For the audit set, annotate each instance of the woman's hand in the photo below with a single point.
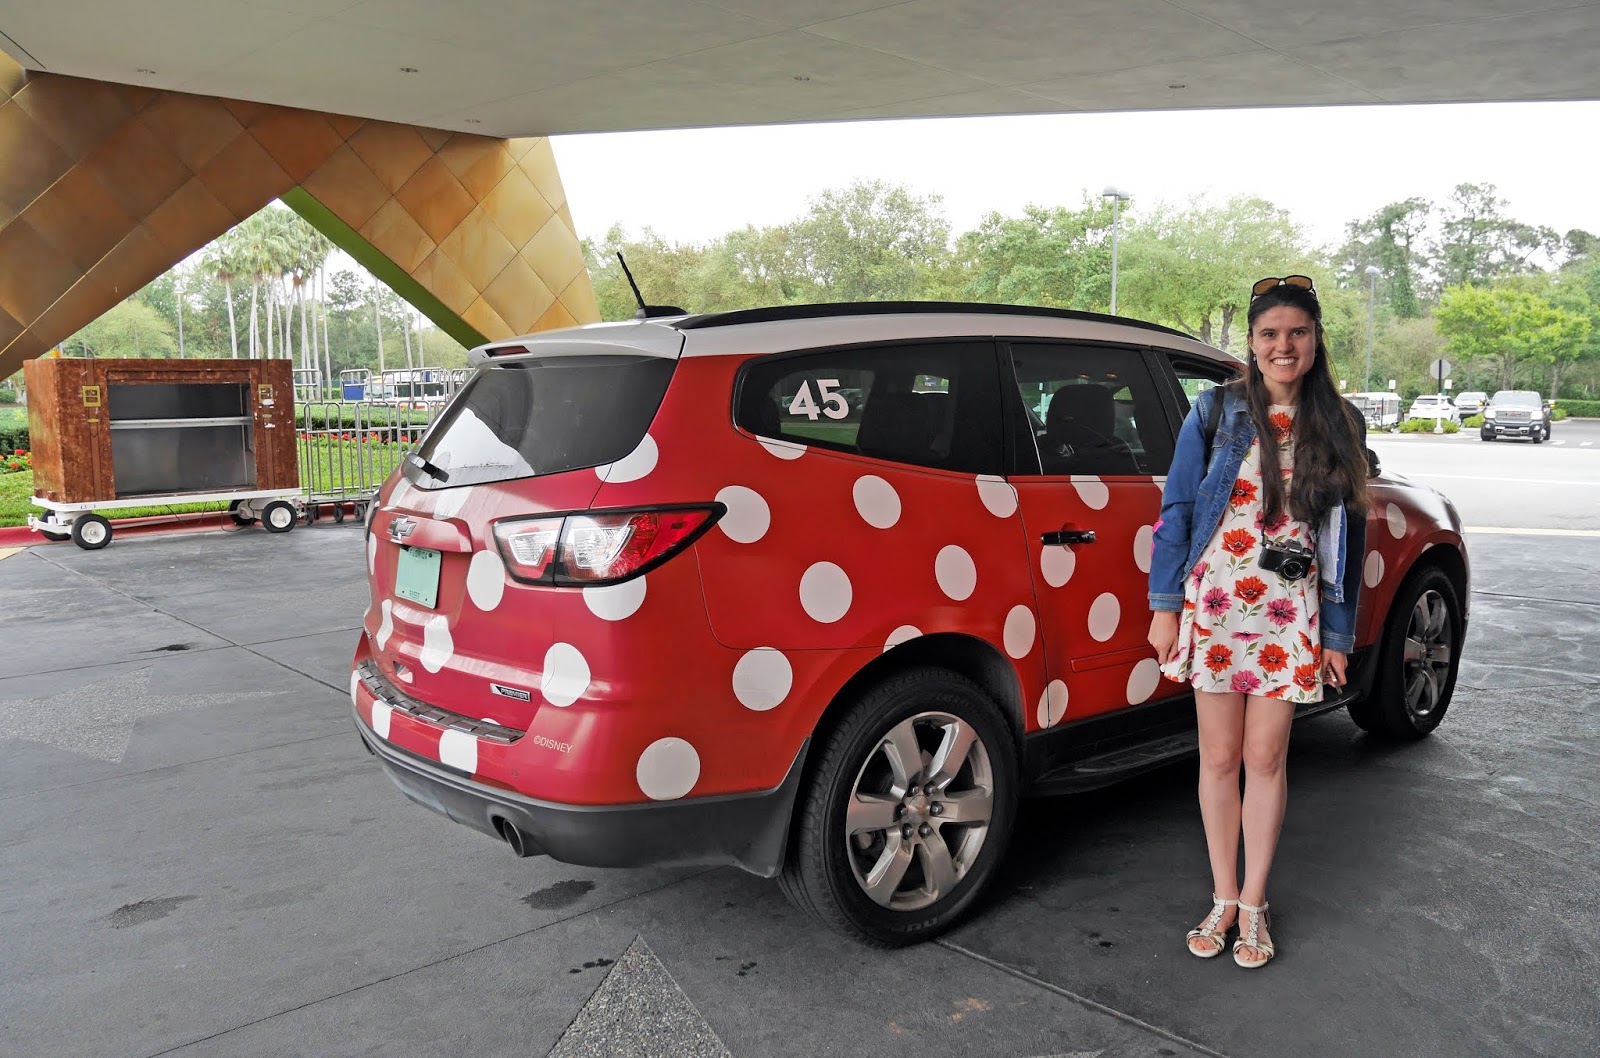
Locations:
(1164, 635)
(1333, 662)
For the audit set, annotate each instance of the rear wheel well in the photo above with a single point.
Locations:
(965, 655)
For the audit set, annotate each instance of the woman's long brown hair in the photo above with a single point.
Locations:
(1330, 463)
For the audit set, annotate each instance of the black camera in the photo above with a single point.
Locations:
(1288, 560)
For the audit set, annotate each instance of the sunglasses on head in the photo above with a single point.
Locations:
(1272, 282)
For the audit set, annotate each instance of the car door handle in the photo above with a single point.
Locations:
(1068, 536)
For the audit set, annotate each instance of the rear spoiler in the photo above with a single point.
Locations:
(635, 339)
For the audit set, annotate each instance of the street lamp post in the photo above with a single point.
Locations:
(1117, 198)
(1373, 271)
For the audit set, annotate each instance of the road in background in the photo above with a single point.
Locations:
(1506, 484)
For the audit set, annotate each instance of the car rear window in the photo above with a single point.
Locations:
(523, 418)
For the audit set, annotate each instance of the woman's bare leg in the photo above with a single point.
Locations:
(1221, 726)
(1266, 793)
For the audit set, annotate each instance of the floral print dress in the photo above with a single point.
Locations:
(1244, 628)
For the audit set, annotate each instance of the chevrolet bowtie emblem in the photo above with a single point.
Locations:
(400, 528)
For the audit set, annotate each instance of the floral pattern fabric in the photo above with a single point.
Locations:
(1244, 628)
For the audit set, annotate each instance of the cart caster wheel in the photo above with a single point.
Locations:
(240, 513)
(91, 532)
(57, 537)
(338, 513)
(313, 512)
(278, 516)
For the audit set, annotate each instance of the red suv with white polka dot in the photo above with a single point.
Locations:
(820, 591)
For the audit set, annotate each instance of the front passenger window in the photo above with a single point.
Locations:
(1092, 410)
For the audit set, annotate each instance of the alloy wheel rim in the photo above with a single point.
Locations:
(1429, 653)
(919, 811)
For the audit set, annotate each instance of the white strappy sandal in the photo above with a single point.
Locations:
(1208, 930)
(1251, 937)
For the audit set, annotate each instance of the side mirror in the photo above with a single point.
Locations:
(1374, 466)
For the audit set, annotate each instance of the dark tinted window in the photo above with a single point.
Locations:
(932, 404)
(1090, 410)
(528, 417)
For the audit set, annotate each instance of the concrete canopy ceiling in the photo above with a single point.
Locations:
(537, 67)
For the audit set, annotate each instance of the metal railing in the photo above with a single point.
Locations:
(348, 448)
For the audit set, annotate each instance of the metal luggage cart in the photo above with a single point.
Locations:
(276, 509)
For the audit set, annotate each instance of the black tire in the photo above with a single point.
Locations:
(1412, 689)
(239, 518)
(91, 532)
(1486, 435)
(1538, 435)
(338, 513)
(50, 534)
(827, 867)
(278, 516)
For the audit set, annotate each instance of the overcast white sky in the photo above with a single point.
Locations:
(1325, 165)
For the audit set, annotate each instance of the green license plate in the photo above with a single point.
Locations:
(417, 576)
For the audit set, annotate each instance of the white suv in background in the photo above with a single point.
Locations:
(1434, 406)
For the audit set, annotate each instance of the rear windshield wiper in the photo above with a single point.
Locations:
(436, 473)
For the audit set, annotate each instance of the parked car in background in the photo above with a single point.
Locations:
(1516, 413)
(1434, 406)
(1472, 402)
(814, 590)
(1381, 409)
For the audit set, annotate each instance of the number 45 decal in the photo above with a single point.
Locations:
(831, 404)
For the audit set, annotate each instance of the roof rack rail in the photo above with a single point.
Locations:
(779, 313)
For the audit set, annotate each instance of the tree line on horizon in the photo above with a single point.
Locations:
(1511, 304)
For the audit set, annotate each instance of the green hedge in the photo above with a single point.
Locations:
(1582, 409)
(1472, 422)
(14, 437)
(7, 395)
(1426, 426)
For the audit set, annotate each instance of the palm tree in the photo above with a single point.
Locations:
(221, 260)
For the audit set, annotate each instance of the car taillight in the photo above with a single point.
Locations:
(529, 546)
(599, 547)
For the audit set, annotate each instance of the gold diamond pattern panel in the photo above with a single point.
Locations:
(103, 187)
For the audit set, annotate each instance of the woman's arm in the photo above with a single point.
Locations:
(1170, 546)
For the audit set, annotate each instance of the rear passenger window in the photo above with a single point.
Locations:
(1089, 410)
(929, 404)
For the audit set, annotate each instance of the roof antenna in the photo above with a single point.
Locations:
(646, 311)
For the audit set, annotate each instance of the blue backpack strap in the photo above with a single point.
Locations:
(1213, 420)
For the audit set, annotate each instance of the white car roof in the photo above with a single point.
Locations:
(785, 328)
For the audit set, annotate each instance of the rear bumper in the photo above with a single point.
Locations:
(743, 830)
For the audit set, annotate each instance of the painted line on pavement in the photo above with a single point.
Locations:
(1503, 531)
(1477, 477)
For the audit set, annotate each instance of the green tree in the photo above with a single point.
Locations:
(1391, 241)
(1193, 267)
(1516, 328)
(131, 329)
(1479, 244)
(870, 241)
(1047, 256)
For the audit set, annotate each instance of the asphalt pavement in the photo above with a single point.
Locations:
(200, 859)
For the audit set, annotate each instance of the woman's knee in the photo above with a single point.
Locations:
(1220, 760)
(1265, 759)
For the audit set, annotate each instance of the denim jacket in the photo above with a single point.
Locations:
(1195, 499)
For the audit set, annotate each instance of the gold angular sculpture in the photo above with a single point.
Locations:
(103, 187)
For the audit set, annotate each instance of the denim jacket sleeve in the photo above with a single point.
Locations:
(1339, 618)
(1170, 548)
